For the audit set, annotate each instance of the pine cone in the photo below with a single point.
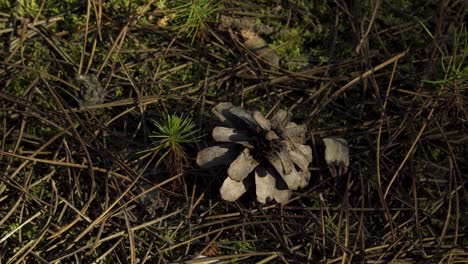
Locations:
(274, 151)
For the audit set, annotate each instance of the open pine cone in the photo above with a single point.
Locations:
(274, 151)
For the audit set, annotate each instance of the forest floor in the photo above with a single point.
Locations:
(95, 168)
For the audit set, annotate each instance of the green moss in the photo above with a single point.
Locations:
(28, 8)
(289, 47)
(243, 246)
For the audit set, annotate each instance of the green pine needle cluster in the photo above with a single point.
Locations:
(195, 15)
(172, 133)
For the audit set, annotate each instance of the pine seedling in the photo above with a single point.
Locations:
(194, 16)
(170, 137)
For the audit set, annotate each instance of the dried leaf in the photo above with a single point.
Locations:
(231, 190)
(261, 121)
(258, 45)
(217, 155)
(336, 155)
(242, 166)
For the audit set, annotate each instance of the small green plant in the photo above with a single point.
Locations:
(170, 136)
(453, 65)
(243, 247)
(193, 17)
